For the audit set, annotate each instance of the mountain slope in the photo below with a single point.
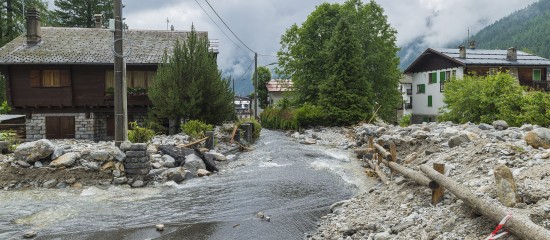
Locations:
(526, 29)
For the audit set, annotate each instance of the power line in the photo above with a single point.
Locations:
(219, 26)
(251, 62)
(227, 26)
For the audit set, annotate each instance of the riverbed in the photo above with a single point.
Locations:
(293, 184)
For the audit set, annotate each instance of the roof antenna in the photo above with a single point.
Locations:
(468, 36)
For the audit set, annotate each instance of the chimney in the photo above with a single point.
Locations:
(473, 45)
(462, 51)
(512, 54)
(33, 26)
(98, 20)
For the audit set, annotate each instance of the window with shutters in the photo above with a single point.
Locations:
(50, 78)
(537, 76)
(420, 88)
(429, 101)
(432, 77)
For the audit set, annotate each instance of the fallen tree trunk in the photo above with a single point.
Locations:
(383, 151)
(519, 224)
(418, 177)
(193, 143)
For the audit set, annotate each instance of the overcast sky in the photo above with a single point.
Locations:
(260, 23)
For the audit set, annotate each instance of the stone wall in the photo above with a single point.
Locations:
(418, 118)
(101, 128)
(85, 127)
(137, 163)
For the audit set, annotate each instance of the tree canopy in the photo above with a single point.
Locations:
(80, 13)
(12, 17)
(264, 75)
(354, 73)
(188, 84)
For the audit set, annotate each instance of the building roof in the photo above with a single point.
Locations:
(480, 57)
(279, 85)
(5, 117)
(90, 46)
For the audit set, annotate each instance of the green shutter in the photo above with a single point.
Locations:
(434, 77)
(442, 76)
(536, 75)
(429, 101)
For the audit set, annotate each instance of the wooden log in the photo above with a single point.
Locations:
(520, 225)
(383, 151)
(193, 143)
(233, 133)
(378, 172)
(416, 176)
(438, 191)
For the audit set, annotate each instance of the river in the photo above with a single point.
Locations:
(293, 184)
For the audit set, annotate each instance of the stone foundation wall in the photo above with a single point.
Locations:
(418, 118)
(85, 127)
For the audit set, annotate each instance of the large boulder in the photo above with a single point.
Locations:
(500, 124)
(194, 163)
(65, 160)
(177, 153)
(457, 140)
(33, 151)
(539, 137)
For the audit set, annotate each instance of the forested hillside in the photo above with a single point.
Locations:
(526, 29)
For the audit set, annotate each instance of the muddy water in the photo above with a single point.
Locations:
(294, 184)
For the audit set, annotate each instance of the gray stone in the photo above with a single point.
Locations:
(116, 173)
(194, 163)
(168, 158)
(203, 173)
(526, 127)
(65, 160)
(137, 171)
(57, 152)
(485, 126)
(120, 180)
(457, 140)
(38, 164)
(61, 185)
(33, 151)
(500, 125)
(431, 150)
(309, 141)
(23, 163)
(372, 227)
(135, 154)
(419, 134)
(49, 183)
(539, 137)
(215, 156)
(4, 147)
(505, 185)
(138, 147)
(382, 236)
(30, 234)
(156, 165)
(448, 132)
(138, 184)
(91, 165)
(70, 180)
(101, 156)
(159, 227)
(117, 154)
(177, 174)
(125, 146)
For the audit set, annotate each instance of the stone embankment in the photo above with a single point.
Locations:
(476, 156)
(74, 163)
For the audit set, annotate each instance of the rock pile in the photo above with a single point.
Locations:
(477, 156)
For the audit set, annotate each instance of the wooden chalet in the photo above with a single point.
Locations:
(62, 78)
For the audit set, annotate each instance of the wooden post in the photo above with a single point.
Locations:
(371, 142)
(210, 140)
(393, 152)
(437, 190)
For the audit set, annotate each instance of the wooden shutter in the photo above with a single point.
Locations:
(536, 75)
(434, 77)
(35, 78)
(65, 78)
(442, 76)
(429, 101)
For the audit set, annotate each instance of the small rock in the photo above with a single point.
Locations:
(156, 165)
(107, 165)
(526, 127)
(419, 134)
(23, 163)
(138, 184)
(457, 140)
(61, 185)
(38, 164)
(539, 137)
(203, 173)
(120, 180)
(71, 180)
(64, 160)
(29, 234)
(101, 156)
(159, 227)
(49, 184)
(76, 185)
(125, 146)
(500, 124)
(260, 215)
(485, 126)
(309, 141)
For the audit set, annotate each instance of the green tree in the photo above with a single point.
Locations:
(264, 75)
(12, 17)
(484, 99)
(305, 55)
(80, 13)
(189, 86)
(344, 94)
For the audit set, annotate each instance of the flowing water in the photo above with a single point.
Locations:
(293, 184)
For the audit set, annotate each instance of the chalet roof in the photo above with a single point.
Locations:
(90, 46)
(279, 85)
(480, 57)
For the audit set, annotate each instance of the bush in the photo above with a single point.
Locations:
(5, 108)
(405, 120)
(257, 126)
(196, 128)
(536, 108)
(309, 115)
(10, 136)
(277, 118)
(139, 134)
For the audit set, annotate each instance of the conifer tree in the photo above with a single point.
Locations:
(80, 13)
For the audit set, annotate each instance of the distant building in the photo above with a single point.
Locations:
(405, 88)
(276, 88)
(242, 107)
(434, 67)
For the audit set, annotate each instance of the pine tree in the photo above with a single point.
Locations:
(188, 84)
(80, 13)
(12, 17)
(264, 75)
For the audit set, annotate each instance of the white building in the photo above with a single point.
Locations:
(242, 107)
(405, 88)
(276, 89)
(434, 67)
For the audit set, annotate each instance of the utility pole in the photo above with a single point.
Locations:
(121, 115)
(256, 85)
